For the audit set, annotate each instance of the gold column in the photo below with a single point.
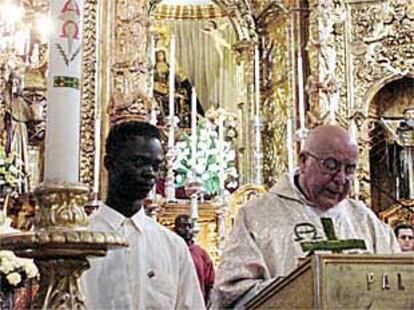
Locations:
(245, 57)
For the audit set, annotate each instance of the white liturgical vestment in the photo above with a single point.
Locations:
(270, 231)
(155, 272)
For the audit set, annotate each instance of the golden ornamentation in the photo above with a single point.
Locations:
(124, 107)
(240, 14)
(187, 12)
(129, 62)
(61, 278)
(60, 244)
(398, 214)
(324, 46)
(379, 49)
(244, 56)
(62, 206)
(382, 44)
(207, 236)
(273, 25)
(89, 89)
(70, 243)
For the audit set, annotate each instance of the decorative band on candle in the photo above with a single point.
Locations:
(66, 81)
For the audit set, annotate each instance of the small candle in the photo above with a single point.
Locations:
(172, 76)
(289, 144)
(152, 66)
(193, 131)
(221, 150)
(257, 80)
(300, 90)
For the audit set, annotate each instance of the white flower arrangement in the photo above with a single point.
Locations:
(14, 271)
(207, 159)
(10, 176)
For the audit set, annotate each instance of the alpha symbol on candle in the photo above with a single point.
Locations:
(71, 23)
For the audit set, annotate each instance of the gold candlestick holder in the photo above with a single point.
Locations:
(61, 244)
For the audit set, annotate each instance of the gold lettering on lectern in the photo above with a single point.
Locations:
(370, 280)
(401, 287)
(385, 281)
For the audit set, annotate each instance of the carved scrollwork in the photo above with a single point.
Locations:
(130, 67)
(382, 42)
(62, 206)
(326, 62)
(61, 278)
(124, 107)
(89, 88)
(381, 45)
(241, 16)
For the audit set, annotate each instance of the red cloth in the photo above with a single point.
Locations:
(204, 268)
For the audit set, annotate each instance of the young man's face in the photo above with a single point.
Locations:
(184, 228)
(406, 239)
(135, 167)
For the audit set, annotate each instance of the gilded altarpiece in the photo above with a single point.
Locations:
(355, 48)
(276, 41)
(380, 46)
(124, 72)
(350, 50)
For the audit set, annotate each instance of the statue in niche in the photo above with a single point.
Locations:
(405, 132)
(18, 114)
(182, 96)
(392, 140)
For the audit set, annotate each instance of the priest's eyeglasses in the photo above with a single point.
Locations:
(331, 165)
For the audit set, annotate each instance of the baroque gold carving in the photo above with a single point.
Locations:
(240, 14)
(324, 46)
(207, 237)
(124, 107)
(244, 56)
(398, 214)
(382, 43)
(379, 49)
(62, 206)
(89, 88)
(130, 61)
(60, 284)
(60, 244)
(239, 198)
(273, 27)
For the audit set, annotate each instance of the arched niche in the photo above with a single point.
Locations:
(390, 172)
(205, 56)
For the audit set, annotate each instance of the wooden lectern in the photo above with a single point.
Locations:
(337, 281)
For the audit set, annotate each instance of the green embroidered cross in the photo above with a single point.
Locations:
(333, 244)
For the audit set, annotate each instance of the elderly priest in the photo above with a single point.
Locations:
(305, 212)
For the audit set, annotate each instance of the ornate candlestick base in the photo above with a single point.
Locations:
(60, 244)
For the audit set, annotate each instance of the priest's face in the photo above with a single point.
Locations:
(326, 174)
(134, 170)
